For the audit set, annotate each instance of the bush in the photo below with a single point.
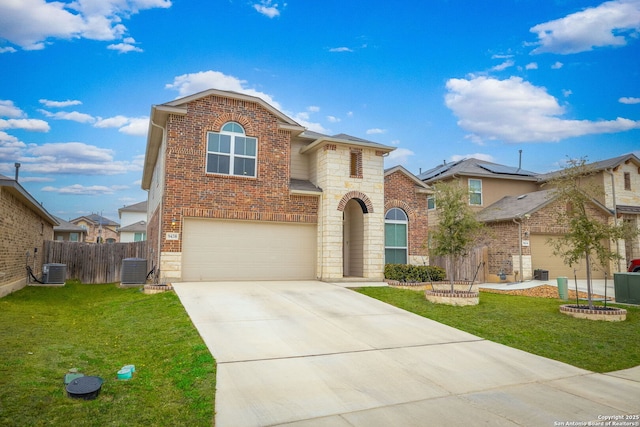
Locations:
(414, 273)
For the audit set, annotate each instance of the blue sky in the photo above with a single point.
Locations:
(439, 80)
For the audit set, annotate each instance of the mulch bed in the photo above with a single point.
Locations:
(542, 291)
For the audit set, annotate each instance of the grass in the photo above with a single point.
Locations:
(98, 329)
(534, 325)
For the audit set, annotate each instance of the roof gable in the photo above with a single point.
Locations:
(515, 207)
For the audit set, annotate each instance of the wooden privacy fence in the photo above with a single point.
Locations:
(466, 267)
(93, 263)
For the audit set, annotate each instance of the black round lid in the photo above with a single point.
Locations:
(84, 385)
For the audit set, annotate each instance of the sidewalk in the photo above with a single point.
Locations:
(597, 285)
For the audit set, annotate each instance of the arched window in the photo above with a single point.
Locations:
(395, 236)
(231, 152)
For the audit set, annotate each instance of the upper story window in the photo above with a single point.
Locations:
(431, 202)
(627, 181)
(231, 152)
(355, 165)
(475, 192)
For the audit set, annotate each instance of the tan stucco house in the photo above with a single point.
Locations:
(24, 226)
(240, 191)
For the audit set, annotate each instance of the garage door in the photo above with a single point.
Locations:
(244, 250)
(542, 257)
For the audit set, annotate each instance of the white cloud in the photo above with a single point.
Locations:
(112, 122)
(10, 147)
(81, 190)
(7, 49)
(531, 66)
(313, 108)
(59, 104)
(74, 158)
(479, 156)
(333, 119)
(375, 131)
(506, 64)
(8, 109)
(567, 92)
(557, 65)
(268, 8)
(31, 24)
(73, 116)
(629, 100)
(399, 156)
(608, 24)
(136, 126)
(514, 110)
(340, 49)
(188, 84)
(127, 45)
(34, 125)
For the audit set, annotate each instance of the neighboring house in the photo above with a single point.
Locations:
(620, 179)
(133, 222)
(519, 228)
(240, 191)
(24, 226)
(517, 206)
(68, 232)
(99, 229)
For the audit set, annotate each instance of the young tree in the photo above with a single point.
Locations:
(457, 227)
(587, 237)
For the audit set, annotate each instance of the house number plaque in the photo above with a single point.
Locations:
(173, 236)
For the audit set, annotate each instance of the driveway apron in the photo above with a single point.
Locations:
(308, 353)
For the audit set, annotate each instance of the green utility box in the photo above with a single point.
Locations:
(627, 287)
(563, 288)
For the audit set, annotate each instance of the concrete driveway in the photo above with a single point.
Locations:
(307, 353)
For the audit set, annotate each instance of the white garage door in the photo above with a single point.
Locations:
(543, 258)
(245, 250)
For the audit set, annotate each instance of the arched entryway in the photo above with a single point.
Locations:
(353, 238)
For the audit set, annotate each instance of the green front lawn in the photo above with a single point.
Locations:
(534, 325)
(98, 329)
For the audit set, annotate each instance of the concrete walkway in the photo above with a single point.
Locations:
(316, 354)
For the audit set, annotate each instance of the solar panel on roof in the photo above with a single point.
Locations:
(505, 170)
(437, 171)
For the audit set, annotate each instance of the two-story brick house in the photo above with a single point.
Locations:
(240, 191)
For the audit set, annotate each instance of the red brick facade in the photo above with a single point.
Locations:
(191, 192)
(400, 192)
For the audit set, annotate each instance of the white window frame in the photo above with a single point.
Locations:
(472, 192)
(431, 199)
(233, 134)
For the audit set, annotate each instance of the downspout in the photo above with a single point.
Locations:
(615, 212)
(519, 247)
(160, 205)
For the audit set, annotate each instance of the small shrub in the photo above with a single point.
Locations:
(414, 273)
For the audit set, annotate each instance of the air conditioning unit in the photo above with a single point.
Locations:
(133, 271)
(54, 274)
